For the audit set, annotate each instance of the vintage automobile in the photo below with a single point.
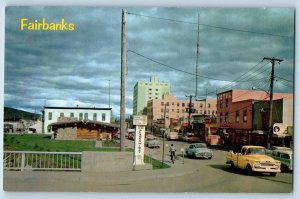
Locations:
(199, 150)
(284, 155)
(152, 142)
(253, 159)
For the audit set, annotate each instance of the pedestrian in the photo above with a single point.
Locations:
(172, 151)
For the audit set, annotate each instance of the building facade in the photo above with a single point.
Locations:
(52, 115)
(144, 91)
(282, 113)
(177, 109)
(235, 113)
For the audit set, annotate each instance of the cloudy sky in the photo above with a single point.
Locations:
(63, 68)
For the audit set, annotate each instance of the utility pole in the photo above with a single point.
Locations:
(123, 81)
(272, 60)
(163, 149)
(190, 112)
(108, 93)
(197, 60)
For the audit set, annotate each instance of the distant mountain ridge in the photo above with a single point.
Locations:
(12, 114)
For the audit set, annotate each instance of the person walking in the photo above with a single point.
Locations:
(172, 151)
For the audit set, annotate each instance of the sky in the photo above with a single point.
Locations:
(70, 68)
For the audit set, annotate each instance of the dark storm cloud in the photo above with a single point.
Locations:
(74, 68)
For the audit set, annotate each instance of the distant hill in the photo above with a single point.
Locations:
(11, 114)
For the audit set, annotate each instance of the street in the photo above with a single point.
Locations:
(210, 176)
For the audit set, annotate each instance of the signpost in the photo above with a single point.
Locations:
(140, 121)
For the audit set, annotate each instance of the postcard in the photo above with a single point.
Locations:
(148, 99)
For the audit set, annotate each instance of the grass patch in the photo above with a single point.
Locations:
(37, 142)
(156, 164)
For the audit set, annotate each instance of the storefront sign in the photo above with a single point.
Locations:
(140, 120)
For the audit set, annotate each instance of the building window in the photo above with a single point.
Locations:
(86, 116)
(183, 105)
(213, 112)
(167, 110)
(237, 117)
(103, 116)
(208, 105)
(178, 104)
(156, 93)
(226, 118)
(172, 110)
(95, 116)
(183, 110)
(177, 111)
(173, 103)
(150, 89)
(80, 116)
(162, 110)
(201, 112)
(221, 103)
(61, 115)
(162, 103)
(167, 103)
(71, 114)
(245, 116)
(156, 89)
(208, 112)
(226, 101)
(201, 105)
(221, 118)
(50, 116)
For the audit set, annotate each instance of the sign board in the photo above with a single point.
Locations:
(279, 129)
(140, 120)
(139, 139)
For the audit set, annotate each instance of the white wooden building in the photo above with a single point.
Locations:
(52, 115)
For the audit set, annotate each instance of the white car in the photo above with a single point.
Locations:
(199, 150)
(152, 142)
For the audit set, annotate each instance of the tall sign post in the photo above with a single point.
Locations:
(140, 121)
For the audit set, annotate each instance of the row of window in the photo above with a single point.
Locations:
(184, 104)
(237, 117)
(157, 84)
(196, 111)
(221, 102)
(82, 116)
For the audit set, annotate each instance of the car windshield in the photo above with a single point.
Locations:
(200, 145)
(260, 151)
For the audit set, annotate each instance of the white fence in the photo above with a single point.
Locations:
(29, 160)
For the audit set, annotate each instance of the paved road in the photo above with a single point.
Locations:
(213, 176)
(195, 175)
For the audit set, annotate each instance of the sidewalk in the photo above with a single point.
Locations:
(79, 181)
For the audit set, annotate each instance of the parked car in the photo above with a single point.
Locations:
(152, 142)
(199, 150)
(131, 135)
(284, 155)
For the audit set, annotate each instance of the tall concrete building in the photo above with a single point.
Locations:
(144, 91)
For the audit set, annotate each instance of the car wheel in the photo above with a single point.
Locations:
(248, 170)
(273, 174)
(232, 165)
(194, 156)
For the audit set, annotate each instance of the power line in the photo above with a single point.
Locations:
(210, 26)
(189, 73)
(284, 79)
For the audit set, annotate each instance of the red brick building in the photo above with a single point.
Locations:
(234, 114)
